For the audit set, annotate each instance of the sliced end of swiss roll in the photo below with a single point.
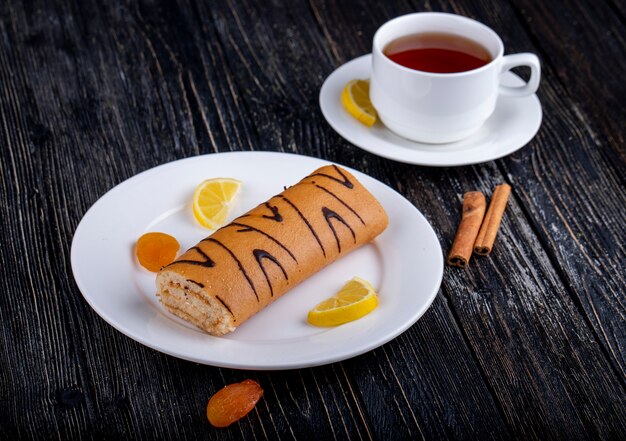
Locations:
(189, 301)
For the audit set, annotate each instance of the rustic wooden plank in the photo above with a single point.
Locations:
(84, 106)
(576, 159)
(425, 384)
(523, 323)
(571, 182)
(103, 78)
(584, 43)
(536, 350)
(568, 150)
(91, 94)
(451, 410)
(576, 188)
(31, 314)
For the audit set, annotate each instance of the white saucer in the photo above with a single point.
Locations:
(514, 122)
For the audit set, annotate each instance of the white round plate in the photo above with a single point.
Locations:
(404, 263)
(514, 122)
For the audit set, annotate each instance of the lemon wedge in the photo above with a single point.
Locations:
(213, 201)
(356, 299)
(356, 99)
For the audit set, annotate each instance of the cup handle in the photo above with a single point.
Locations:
(518, 60)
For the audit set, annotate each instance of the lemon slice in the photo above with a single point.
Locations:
(356, 299)
(213, 200)
(356, 99)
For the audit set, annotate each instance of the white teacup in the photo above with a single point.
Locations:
(442, 107)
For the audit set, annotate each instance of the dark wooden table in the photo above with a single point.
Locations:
(528, 343)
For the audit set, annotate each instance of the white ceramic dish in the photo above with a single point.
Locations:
(405, 264)
(514, 122)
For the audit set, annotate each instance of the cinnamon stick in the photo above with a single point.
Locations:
(491, 224)
(474, 206)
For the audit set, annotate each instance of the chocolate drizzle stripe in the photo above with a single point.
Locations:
(206, 263)
(273, 239)
(345, 181)
(241, 268)
(319, 242)
(201, 285)
(341, 202)
(225, 305)
(275, 214)
(330, 214)
(259, 255)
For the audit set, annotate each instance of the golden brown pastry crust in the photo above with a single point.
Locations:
(255, 259)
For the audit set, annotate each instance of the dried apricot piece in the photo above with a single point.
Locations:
(155, 250)
(233, 402)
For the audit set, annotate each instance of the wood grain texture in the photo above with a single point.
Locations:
(532, 270)
(580, 229)
(583, 221)
(528, 343)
